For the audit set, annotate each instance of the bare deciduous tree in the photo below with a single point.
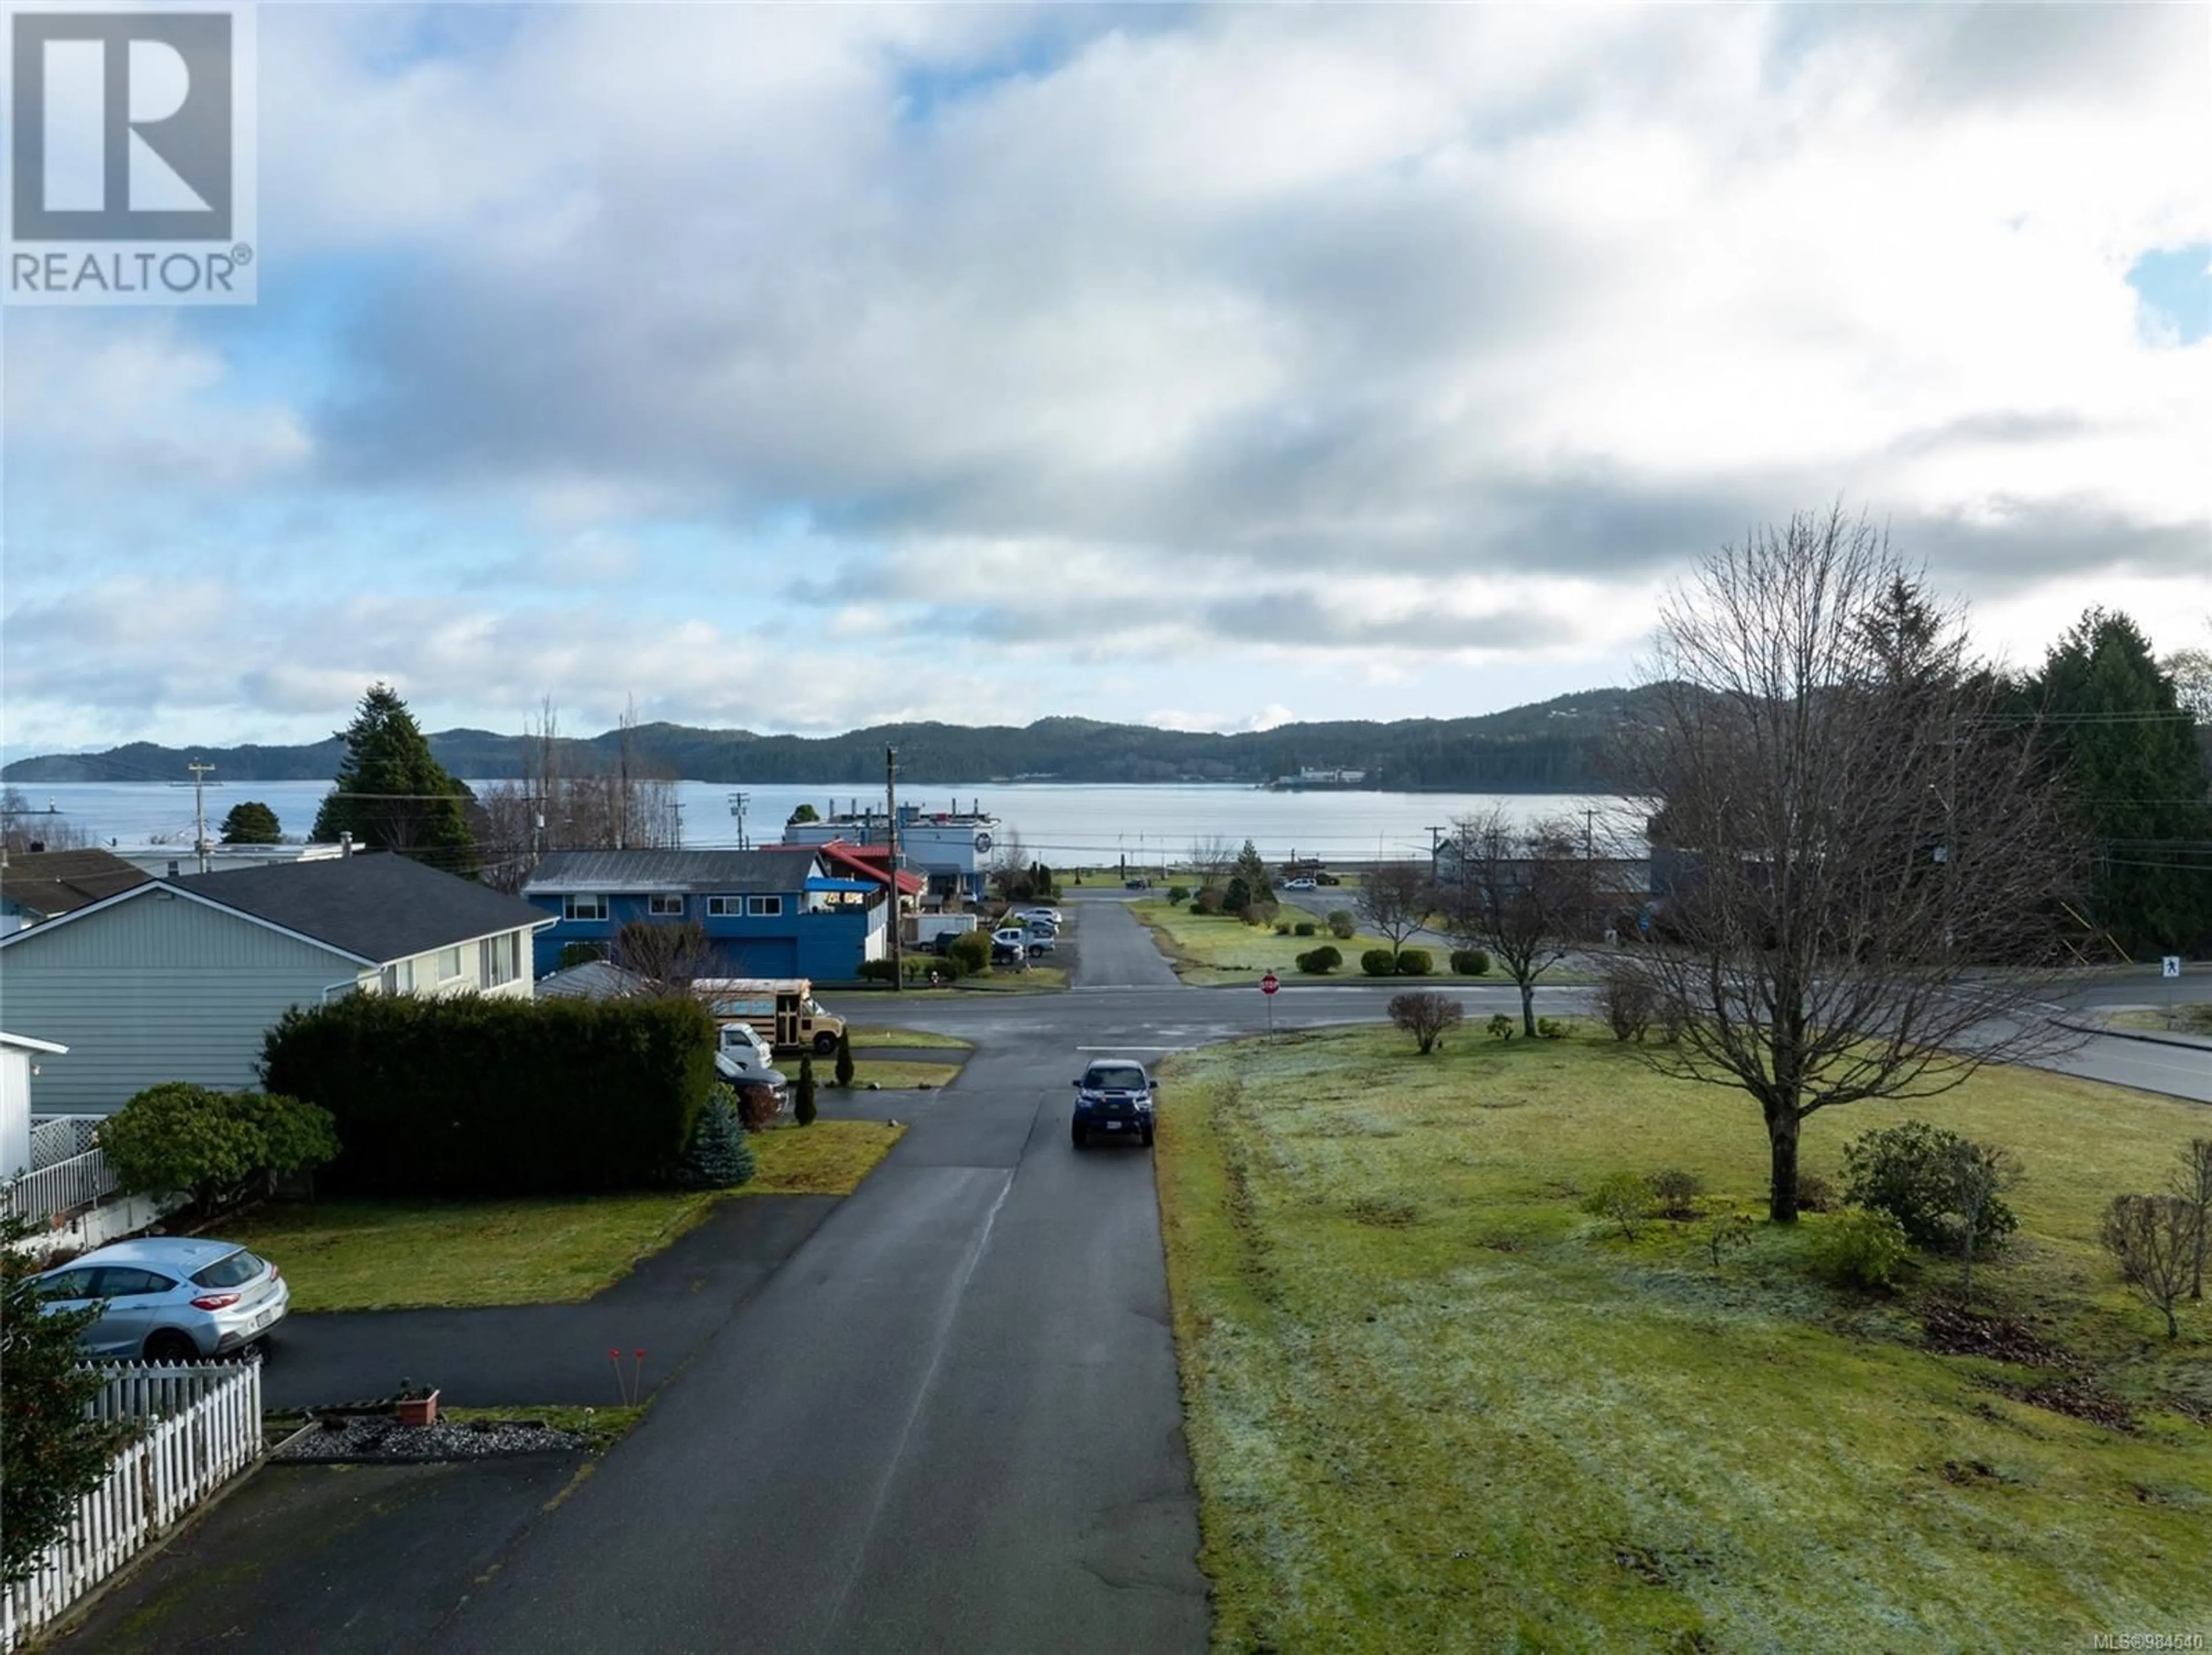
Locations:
(2192, 1182)
(1426, 1016)
(2154, 1240)
(1395, 898)
(1519, 893)
(670, 955)
(566, 799)
(1857, 862)
(1211, 859)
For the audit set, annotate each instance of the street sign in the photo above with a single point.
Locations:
(1270, 982)
(2169, 966)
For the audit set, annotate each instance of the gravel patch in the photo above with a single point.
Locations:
(371, 1437)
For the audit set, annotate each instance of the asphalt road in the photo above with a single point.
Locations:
(950, 1422)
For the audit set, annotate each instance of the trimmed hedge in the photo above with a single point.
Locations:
(1414, 962)
(1379, 962)
(1470, 962)
(1303, 927)
(480, 1095)
(1320, 962)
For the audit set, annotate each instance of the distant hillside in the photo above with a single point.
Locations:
(1551, 746)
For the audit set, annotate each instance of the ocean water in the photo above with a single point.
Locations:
(1070, 824)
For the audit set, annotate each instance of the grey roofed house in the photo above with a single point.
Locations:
(179, 979)
(646, 872)
(37, 884)
(595, 979)
(375, 907)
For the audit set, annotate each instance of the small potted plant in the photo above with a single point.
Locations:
(416, 1404)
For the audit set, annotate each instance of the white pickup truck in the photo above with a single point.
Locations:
(742, 1057)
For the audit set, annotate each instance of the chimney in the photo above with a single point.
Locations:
(345, 844)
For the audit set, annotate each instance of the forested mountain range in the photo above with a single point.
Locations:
(1551, 746)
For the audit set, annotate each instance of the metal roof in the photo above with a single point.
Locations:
(646, 873)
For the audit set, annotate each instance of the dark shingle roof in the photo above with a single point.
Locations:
(622, 872)
(376, 907)
(49, 882)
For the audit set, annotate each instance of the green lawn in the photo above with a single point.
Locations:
(2176, 1019)
(905, 1039)
(891, 1074)
(1206, 949)
(387, 1255)
(1433, 1405)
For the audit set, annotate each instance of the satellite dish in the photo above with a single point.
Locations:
(983, 844)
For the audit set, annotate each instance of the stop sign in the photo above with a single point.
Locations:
(1269, 984)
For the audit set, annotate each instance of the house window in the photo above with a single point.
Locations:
(584, 908)
(498, 959)
(449, 965)
(770, 906)
(724, 907)
(665, 908)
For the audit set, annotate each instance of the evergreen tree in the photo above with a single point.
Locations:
(2136, 781)
(721, 1154)
(50, 1455)
(1252, 868)
(844, 1070)
(391, 794)
(804, 813)
(251, 823)
(802, 1105)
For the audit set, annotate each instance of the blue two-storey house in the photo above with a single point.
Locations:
(767, 913)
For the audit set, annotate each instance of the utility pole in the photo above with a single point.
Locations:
(891, 807)
(1589, 818)
(738, 803)
(200, 773)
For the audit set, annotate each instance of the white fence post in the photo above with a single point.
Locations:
(205, 1426)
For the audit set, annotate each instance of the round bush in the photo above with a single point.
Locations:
(1470, 962)
(1282, 928)
(1341, 925)
(1303, 927)
(1178, 895)
(1379, 962)
(1319, 962)
(1414, 962)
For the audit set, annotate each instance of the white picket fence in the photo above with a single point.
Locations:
(150, 1391)
(175, 1463)
(61, 1188)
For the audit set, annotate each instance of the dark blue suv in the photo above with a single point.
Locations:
(1114, 1097)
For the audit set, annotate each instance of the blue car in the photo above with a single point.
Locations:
(1116, 1098)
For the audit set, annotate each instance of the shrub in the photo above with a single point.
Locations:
(1207, 901)
(1259, 911)
(1626, 1005)
(1379, 962)
(1862, 1248)
(756, 1103)
(921, 967)
(1238, 897)
(802, 1105)
(1470, 962)
(1414, 962)
(2153, 1239)
(1426, 1017)
(218, 1147)
(1282, 928)
(877, 971)
(1341, 925)
(843, 1071)
(1815, 1194)
(53, 1450)
(1730, 1230)
(970, 952)
(1303, 927)
(580, 953)
(1913, 1172)
(1501, 1027)
(1624, 1197)
(1320, 962)
(1553, 1028)
(1676, 1191)
(480, 1094)
(717, 1157)
(1178, 895)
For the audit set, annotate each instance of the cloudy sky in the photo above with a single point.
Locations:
(801, 369)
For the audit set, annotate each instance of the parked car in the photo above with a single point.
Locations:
(1136, 885)
(1010, 944)
(1041, 939)
(1049, 915)
(170, 1299)
(1114, 1096)
(1300, 885)
(743, 1058)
